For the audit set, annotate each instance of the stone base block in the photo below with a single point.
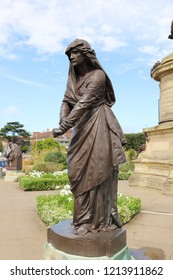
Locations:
(50, 253)
(12, 176)
(154, 166)
(16, 164)
(153, 174)
(62, 243)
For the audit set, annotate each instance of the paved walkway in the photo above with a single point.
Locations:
(22, 233)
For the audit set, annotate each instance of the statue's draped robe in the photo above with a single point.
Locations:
(95, 150)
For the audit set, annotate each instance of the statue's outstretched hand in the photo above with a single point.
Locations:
(57, 132)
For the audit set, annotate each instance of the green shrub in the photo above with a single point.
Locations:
(125, 170)
(46, 144)
(47, 166)
(53, 209)
(134, 141)
(126, 167)
(38, 180)
(40, 166)
(124, 175)
(56, 157)
(56, 208)
(45, 182)
(128, 207)
(37, 184)
(131, 155)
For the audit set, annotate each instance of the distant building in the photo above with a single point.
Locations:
(41, 135)
(63, 139)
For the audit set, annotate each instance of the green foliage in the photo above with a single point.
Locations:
(25, 148)
(56, 208)
(128, 207)
(131, 154)
(124, 175)
(25, 145)
(57, 157)
(44, 182)
(126, 167)
(13, 131)
(1, 147)
(134, 141)
(49, 155)
(40, 166)
(46, 144)
(125, 170)
(47, 166)
(37, 184)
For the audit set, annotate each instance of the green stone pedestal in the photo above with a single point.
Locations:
(63, 244)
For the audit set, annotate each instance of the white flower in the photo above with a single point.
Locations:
(67, 187)
(36, 174)
(56, 173)
(64, 192)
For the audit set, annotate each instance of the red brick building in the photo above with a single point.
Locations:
(63, 139)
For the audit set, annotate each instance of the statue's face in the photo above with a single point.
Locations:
(76, 58)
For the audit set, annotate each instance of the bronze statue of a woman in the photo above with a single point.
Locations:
(96, 148)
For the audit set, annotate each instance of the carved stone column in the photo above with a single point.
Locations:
(154, 166)
(164, 74)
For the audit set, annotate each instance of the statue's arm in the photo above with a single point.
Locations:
(92, 92)
(64, 111)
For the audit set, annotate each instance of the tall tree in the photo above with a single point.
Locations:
(12, 131)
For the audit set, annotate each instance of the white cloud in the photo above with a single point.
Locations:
(7, 54)
(28, 82)
(110, 43)
(11, 110)
(152, 50)
(46, 26)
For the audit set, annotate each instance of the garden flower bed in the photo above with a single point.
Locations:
(37, 181)
(56, 208)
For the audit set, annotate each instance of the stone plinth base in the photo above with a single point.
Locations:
(13, 175)
(156, 175)
(16, 164)
(64, 244)
(154, 166)
(53, 254)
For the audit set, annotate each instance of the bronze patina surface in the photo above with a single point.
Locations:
(96, 148)
(99, 244)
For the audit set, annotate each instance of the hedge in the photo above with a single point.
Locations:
(134, 141)
(43, 183)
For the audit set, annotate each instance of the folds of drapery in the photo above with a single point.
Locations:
(95, 151)
(95, 148)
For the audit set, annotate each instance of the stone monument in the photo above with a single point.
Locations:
(93, 157)
(154, 166)
(13, 154)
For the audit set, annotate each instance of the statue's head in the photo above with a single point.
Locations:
(83, 47)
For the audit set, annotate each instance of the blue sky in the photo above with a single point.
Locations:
(129, 36)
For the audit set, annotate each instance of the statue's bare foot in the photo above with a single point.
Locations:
(82, 231)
